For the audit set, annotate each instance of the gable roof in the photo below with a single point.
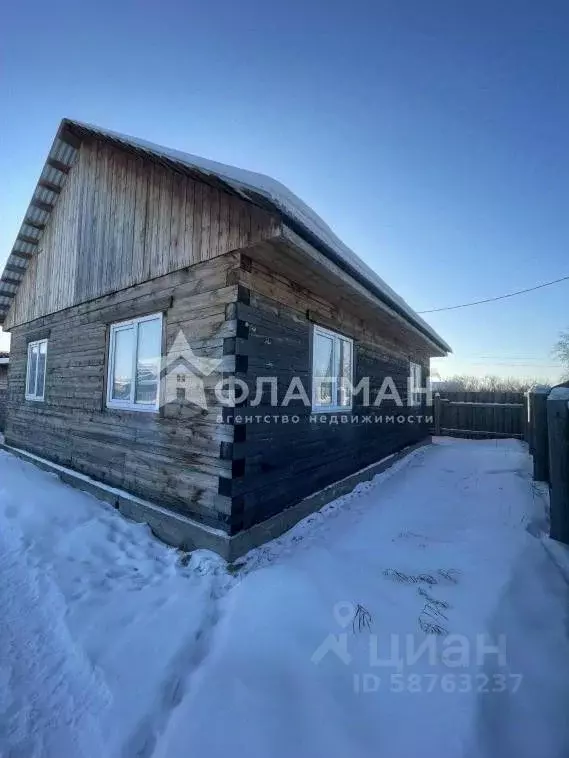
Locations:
(256, 188)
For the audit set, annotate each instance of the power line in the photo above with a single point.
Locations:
(493, 299)
(513, 365)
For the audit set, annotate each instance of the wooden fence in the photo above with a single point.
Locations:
(548, 437)
(480, 415)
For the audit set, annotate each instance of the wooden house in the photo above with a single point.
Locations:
(186, 337)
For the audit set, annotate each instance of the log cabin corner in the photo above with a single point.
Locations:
(4, 362)
(185, 337)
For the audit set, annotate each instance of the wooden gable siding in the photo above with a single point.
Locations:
(278, 462)
(172, 457)
(49, 282)
(122, 220)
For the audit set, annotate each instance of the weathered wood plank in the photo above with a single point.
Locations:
(488, 414)
(178, 221)
(206, 193)
(140, 264)
(188, 252)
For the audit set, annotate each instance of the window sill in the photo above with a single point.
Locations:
(132, 408)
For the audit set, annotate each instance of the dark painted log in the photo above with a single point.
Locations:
(3, 401)
(558, 436)
(538, 401)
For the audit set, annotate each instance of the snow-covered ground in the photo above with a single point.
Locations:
(423, 614)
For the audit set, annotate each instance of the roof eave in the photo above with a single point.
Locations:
(299, 243)
(58, 163)
(315, 242)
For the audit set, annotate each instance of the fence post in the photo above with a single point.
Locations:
(540, 447)
(437, 414)
(558, 434)
(527, 421)
(531, 431)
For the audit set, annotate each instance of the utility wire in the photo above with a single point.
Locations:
(493, 299)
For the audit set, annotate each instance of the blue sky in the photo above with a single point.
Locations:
(431, 136)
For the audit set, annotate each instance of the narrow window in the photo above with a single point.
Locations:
(332, 370)
(415, 394)
(135, 351)
(35, 376)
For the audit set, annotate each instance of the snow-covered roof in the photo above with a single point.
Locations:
(261, 189)
(559, 393)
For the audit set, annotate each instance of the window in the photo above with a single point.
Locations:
(332, 370)
(135, 351)
(415, 387)
(35, 377)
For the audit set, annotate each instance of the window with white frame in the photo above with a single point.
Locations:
(415, 386)
(35, 375)
(332, 370)
(135, 351)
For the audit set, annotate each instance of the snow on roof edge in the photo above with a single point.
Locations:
(285, 202)
(559, 393)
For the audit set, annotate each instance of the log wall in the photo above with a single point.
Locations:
(277, 463)
(3, 395)
(174, 456)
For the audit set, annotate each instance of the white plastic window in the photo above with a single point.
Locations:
(35, 376)
(135, 351)
(332, 370)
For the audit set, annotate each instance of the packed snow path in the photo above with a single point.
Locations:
(423, 614)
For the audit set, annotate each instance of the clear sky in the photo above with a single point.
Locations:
(432, 136)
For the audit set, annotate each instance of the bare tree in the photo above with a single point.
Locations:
(561, 352)
(465, 383)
